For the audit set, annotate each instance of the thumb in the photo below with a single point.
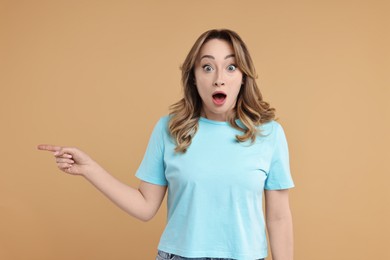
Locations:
(73, 153)
(65, 151)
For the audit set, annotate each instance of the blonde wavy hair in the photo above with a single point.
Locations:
(250, 108)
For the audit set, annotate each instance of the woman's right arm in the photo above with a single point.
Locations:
(142, 203)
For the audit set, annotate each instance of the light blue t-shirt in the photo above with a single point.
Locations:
(215, 189)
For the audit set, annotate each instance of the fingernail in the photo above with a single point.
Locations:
(56, 153)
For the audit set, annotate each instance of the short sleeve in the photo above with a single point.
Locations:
(279, 176)
(152, 167)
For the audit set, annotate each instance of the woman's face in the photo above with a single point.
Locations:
(217, 79)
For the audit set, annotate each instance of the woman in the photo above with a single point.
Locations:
(216, 152)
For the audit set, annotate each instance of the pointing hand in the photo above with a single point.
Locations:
(70, 159)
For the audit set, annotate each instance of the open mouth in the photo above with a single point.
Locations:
(219, 98)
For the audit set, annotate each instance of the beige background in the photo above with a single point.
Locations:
(99, 74)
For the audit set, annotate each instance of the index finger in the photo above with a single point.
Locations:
(47, 147)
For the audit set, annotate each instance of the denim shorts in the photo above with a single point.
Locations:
(161, 255)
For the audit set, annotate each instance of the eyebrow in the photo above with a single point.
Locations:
(212, 57)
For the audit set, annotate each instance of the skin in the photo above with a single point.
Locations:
(279, 224)
(215, 70)
(142, 203)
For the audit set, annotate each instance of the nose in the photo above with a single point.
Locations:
(219, 81)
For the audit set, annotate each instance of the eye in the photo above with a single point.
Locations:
(207, 68)
(232, 67)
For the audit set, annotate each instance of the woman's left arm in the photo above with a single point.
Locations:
(279, 224)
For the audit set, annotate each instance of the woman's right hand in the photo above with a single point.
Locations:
(70, 159)
(141, 203)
